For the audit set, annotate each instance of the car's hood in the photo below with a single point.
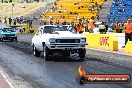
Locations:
(64, 34)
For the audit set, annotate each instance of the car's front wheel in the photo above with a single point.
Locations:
(1, 39)
(12, 39)
(82, 53)
(16, 39)
(36, 52)
(66, 53)
(45, 52)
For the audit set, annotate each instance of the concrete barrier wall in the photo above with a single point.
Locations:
(128, 48)
(102, 41)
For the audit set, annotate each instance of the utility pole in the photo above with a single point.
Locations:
(12, 9)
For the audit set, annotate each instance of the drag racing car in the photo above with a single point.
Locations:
(51, 39)
(8, 34)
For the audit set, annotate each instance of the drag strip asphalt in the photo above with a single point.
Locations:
(27, 71)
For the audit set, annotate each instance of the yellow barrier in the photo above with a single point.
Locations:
(128, 48)
(102, 41)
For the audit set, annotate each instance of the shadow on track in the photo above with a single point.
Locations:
(60, 58)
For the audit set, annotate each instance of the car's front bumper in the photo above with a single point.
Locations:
(66, 46)
(8, 37)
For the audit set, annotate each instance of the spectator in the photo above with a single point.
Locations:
(51, 17)
(44, 22)
(5, 20)
(121, 27)
(65, 11)
(14, 21)
(68, 23)
(75, 13)
(86, 27)
(97, 17)
(61, 7)
(79, 30)
(81, 26)
(51, 22)
(117, 27)
(102, 28)
(106, 27)
(75, 3)
(91, 25)
(128, 31)
(10, 20)
(79, 7)
(35, 18)
(64, 23)
(96, 4)
(78, 18)
(91, 1)
(70, 12)
(58, 22)
(55, 3)
(56, 10)
(72, 23)
(62, 17)
(30, 23)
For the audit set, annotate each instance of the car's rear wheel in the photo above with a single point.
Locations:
(45, 52)
(36, 52)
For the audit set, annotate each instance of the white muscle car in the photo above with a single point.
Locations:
(51, 39)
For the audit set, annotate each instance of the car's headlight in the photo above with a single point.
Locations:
(83, 39)
(52, 40)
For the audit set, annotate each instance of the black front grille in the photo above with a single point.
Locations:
(9, 35)
(67, 40)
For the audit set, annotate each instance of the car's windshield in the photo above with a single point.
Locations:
(52, 29)
(8, 29)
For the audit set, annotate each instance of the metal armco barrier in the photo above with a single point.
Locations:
(128, 48)
(102, 41)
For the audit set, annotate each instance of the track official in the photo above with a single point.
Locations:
(117, 27)
(128, 30)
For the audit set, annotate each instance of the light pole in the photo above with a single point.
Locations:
(12, 9)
